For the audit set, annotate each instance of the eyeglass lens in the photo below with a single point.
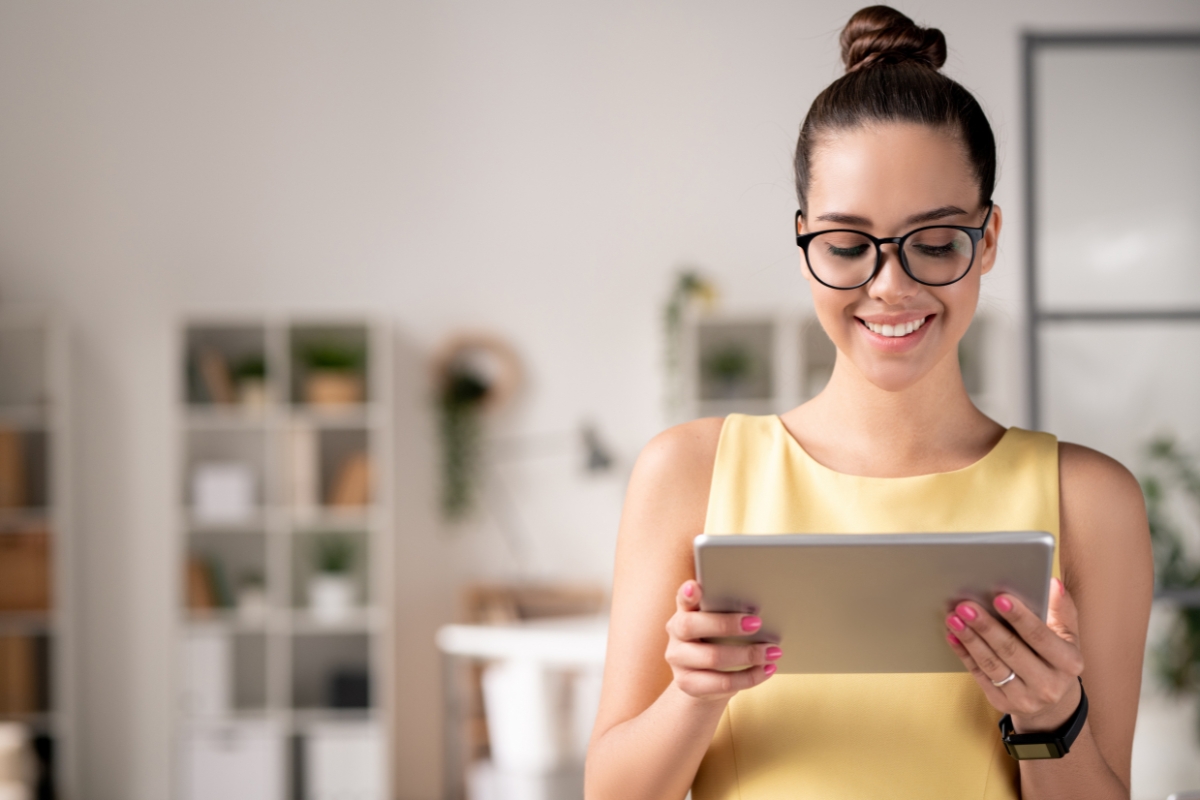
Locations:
(934, 256)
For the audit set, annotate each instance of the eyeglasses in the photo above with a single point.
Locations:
(938, 255)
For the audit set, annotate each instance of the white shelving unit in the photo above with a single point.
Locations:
(35, 544)
(276, 702)
(766, 362)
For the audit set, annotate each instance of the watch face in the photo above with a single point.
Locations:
(1034, 751)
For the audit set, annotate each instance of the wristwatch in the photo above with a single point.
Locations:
(1049, 744)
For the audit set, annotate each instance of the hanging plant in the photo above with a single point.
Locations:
(1173, 473)
(689, 287)
(475, 374)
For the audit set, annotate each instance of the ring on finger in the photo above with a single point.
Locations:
(1011, 676)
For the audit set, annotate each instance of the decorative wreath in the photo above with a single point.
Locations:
(474, 372)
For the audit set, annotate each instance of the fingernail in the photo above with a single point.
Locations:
(967, 612)
(1062, 590)
(751, 623)
(1004, 604)
(952, 639)
(770, 669)
(689, 589)
(774, 653)
(956, 623)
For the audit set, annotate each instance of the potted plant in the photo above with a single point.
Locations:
(252, 605)
(730, 367)
(250, 381)
(331, 589)
(333, 374)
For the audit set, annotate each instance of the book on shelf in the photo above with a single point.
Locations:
(208, 587)
(13, 476)
(352, 485)
(215, 377)
(25, 583)
(19, 675)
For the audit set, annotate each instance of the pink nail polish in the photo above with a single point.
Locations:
(1062, 590)
(774, 653)
(770, 669)
(956, 623)
(1004, 604)
(967, 612)
(952, 639)
(750, 624)
(689, 589)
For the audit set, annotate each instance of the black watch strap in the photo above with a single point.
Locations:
(1049, 744)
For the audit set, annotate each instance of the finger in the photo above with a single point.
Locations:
(698, 655)
(993, 693)
(693, 625)
(995, 668)
(1063, 616)
(706, 683)
(1056, 651)
(688, 596)
(1010, 648)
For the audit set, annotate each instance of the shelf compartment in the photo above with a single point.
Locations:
(735, 360)
(227, 365)
(221, 570)
(330, 366)
(332, 671)
(225, 476)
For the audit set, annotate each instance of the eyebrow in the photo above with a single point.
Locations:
(932, 215)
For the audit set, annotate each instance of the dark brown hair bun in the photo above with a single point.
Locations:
(879, 35)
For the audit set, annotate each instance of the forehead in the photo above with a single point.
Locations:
(889, 170)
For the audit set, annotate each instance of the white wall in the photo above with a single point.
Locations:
(535, 168)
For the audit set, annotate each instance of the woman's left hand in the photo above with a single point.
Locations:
(1042, 658)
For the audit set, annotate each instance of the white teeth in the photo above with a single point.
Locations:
(894, 331)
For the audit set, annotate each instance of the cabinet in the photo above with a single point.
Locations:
(285, 556)
(35, 544)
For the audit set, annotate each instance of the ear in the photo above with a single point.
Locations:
(991, 237)
(803, 260)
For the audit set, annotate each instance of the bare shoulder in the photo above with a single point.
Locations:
(673, 472)
(1103, 511)
(1092, 482)
(684, 451)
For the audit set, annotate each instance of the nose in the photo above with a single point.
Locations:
(892, 285)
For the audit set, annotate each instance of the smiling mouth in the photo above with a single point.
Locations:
(895, 331)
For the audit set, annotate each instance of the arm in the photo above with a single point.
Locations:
(1097, 620)
(662, 697)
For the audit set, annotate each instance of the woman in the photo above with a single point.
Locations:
(893, 444)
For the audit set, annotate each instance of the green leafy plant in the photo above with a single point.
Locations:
(460, 405)
(250, 367)
(332, 356)
(689, 287)
(334, 554)
(1171, 472)
(730, 364)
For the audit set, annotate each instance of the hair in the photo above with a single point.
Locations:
(892, 76)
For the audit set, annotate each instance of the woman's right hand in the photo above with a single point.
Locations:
(714, 671)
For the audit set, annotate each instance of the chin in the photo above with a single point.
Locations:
(894, 377)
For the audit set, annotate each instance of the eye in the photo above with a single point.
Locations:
(855, 251)
(936, 250)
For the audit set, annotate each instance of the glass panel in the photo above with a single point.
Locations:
(1118, 169)
(1114, 387)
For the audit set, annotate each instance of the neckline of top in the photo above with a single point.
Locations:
(795, 443)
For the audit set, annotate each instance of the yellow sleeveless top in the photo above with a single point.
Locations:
(851, 737)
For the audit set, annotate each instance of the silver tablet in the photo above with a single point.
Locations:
(868, 602)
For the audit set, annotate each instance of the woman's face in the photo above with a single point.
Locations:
(886, 180)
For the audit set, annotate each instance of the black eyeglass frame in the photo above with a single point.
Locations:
(975, 234)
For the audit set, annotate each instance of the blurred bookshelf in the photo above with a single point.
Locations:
(285, 559)
(768, 362)
(36, 690)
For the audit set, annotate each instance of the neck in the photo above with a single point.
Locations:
(856, 427)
